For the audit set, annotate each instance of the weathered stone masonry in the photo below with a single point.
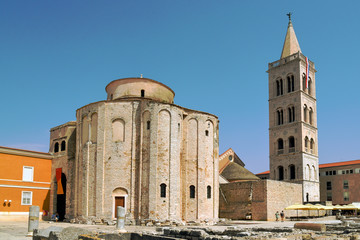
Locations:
(160, 159)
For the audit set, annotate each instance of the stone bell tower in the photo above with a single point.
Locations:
(293, 136)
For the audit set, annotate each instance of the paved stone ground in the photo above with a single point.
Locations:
(17, 230)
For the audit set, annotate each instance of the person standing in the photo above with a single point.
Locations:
(277, 216)
(282, 215)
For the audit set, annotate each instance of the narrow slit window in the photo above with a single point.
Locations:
(206, 133)
(148, 125)
(192, 191)
(142, 93)
(163, 190)
(208, 192)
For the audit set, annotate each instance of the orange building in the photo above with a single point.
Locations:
(25, 178)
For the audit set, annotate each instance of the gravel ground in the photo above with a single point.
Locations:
(18, 230)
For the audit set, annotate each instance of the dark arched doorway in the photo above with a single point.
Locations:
(61, 194)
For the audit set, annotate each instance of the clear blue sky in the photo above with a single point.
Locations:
(57, 56)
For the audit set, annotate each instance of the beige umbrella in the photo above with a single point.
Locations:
(297, 207)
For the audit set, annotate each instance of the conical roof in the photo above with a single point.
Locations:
(291, 44)
(236, 172)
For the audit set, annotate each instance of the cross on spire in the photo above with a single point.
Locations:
(289, 15)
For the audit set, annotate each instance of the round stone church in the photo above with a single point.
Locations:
(139, 150)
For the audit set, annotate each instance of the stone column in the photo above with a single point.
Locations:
(33, 219)
(120, 219)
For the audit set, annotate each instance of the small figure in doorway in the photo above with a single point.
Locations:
(277, 216)
(55, 217)
(282, 215)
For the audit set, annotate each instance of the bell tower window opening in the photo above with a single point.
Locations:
(311, 116)
(280, 117)
(306, 143)
(305, 113)
(281, 172)
(292, 172)
(142, 93)
(280, 146)
(291, 114)
(63, 146)
(279, 87)
(291, 144)
(56, 147)
(312, 146)
(290, 83)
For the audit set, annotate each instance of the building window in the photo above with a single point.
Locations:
(328, 186)
(281, 172)
(346, 196)
(148, 125)
(346, 184)
(280, 117)
(292, 171)
(310, 116)
(206, 133)
(312, 146)
(309, 86)
(163, 190)
(304, 82)
(291, 114)
(63, 146)
(208, 192)
(291, 144)
(26, 198)
(279, 87)
(192, 191)
(306, 143)
(142, 93)
(328, 196)
(305, 113)
(56, 147)
(280, 144)
(290, 82)
(28, 174)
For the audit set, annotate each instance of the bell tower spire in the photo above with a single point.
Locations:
(291, 44)
(293, 133)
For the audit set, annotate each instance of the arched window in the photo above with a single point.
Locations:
(192, 191)
(118, 127)
(310, 116)
(312, 146)
(163, 190)
(314, 170)
(290, 83)
(308, 166)
(280, 144)
(291, 144)
(279, 87)
(305, 113)
(208, 191)
(280, 117)
(56, 147)
(304, 82)
(281, 173)
(63, 146)
(148, 125)
(306, 143)
(291, 114)
(309, 86)
(292, 171)
(142, 93)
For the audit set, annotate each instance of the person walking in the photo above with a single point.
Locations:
(277, 216)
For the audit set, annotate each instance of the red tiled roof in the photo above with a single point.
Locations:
(336, 164)
(266, 172)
